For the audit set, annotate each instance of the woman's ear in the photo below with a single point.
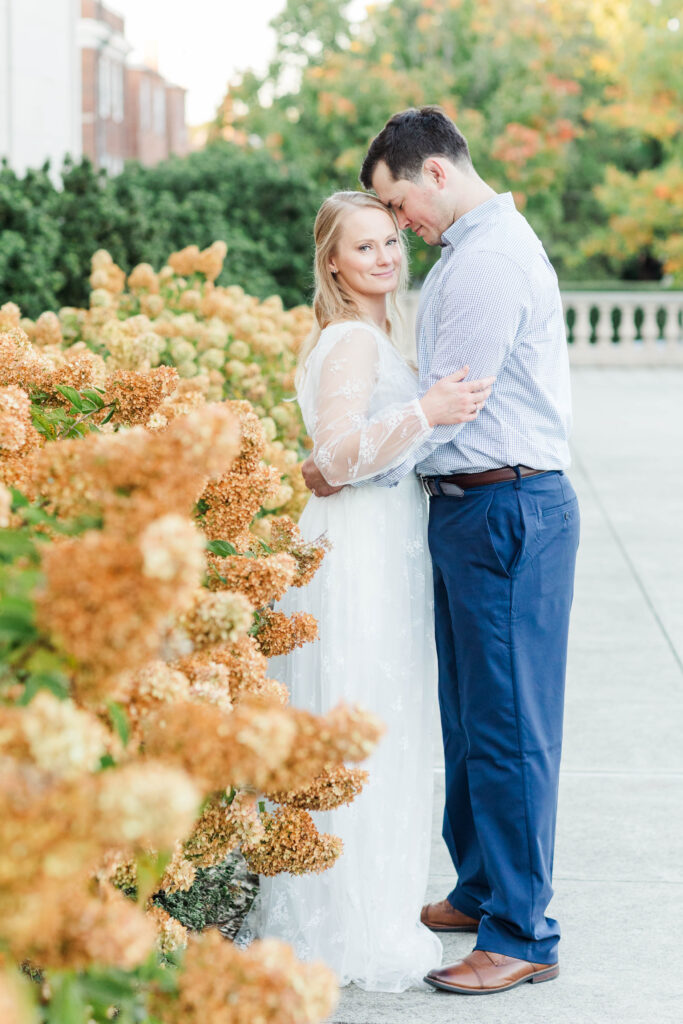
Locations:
(333, 268)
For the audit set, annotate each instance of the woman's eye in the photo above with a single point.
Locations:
(392, 241)
(363, 248)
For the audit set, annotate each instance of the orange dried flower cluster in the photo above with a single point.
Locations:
(107, 600)
(240, 666)
(18, 437)
(137, 395)
(190, 260)
(286, 536)
(222, 827)
(60, 830)
(261, 579)
(136, 475)
(171, 934)
(240, 748)
(334, 786)
(291, 843)
(105, 274)
(264, 984)
(280, 634)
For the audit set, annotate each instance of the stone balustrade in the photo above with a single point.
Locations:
(616, 328)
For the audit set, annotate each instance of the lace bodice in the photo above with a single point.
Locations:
(358, 403)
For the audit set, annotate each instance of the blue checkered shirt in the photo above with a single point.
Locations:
(492, 303)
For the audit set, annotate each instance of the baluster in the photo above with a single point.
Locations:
(582, 324)
(672, 332)
(603, 328)
(628, 332)
(649, 330)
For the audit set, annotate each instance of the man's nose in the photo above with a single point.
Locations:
(403, 221)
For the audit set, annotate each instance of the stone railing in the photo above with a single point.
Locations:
(624, 328)
(614, 328)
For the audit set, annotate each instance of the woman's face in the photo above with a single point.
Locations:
(368, 255)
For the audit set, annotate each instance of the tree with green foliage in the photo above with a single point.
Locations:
(264, 209)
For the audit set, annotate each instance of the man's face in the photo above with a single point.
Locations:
(419, 205)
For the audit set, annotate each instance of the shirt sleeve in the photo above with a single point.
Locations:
(481, 306)
(350, 445)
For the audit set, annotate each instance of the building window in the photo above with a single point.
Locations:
(145, 98)
(160, 110)
(117, 91)
(104, 86)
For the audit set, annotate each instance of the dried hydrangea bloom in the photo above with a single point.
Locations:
(280, 634)
(47, 330)
(133, 476)
(138, 395)
(241, 748)
(17, 435)
(143, 278)
(55, 735)
(128, 799)
(104, 608)
(171, 934)
(184, 261)
(131, 343)
(10, 316)
(118, 868)
(264, 984)
(5, 506)
(342, 734)
(152, 685)
(17, 1005)
(77, 930)
(242, 661)
(210, 683)
(261, 579)
(21, 364)
(222, 827)
(285, 535)
(217, 618)
(291, 843)
(180, 873)
(334, 786)
(233, 500)
(106, 274)
(172, 550)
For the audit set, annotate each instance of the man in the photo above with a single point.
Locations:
(503, 533)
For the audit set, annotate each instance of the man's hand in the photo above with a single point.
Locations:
(315, 481)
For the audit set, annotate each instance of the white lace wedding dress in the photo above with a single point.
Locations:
(372, 598)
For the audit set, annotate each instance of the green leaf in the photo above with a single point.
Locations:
(109, 414)
(16, 544)
(266, 547)
(222, 548)
(119, 720)
(55, 682)
(94, 397)
(73, 396)
(66, 1005)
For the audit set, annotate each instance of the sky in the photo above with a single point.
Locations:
(202, 44)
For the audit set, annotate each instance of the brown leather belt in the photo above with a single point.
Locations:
(434, 485)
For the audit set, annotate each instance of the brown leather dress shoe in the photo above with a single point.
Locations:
(442, 917)
(481, 973)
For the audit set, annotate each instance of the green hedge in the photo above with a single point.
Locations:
(264, 211)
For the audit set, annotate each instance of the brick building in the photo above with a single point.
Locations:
(130, 112)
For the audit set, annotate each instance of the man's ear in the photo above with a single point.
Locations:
(434, 170)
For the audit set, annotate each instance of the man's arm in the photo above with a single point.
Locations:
(485, 300)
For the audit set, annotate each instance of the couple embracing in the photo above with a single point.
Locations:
(477, 577)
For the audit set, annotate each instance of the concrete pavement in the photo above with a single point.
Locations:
(619, 858)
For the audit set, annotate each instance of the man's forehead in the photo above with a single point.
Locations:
(384, 183)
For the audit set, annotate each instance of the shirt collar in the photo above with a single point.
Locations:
(453, 235)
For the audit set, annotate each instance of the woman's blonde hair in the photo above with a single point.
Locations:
(331, 303)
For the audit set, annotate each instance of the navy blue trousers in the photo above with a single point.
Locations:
(504, 557)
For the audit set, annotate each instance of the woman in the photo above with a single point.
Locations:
(372, 598)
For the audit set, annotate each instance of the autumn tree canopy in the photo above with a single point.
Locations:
(573, 105)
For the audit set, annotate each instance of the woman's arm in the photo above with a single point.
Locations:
(349, 444)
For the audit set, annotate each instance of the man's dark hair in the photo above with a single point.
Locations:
(409, 138)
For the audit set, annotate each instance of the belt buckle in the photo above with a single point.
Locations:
(425, 488)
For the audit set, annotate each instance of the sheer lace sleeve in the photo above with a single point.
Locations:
(350, 444)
